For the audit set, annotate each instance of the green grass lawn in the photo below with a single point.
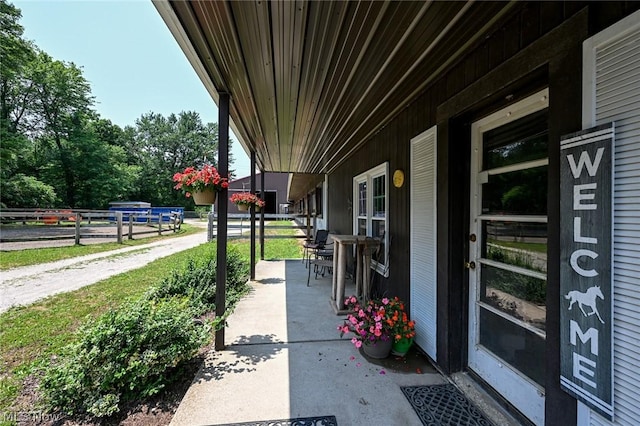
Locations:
(536, 247)
(31, 335)
(17, 258)
(276, 248)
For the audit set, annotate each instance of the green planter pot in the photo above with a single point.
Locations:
(401, 347)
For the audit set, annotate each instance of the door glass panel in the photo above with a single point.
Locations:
(517, 192)
(378, 196)
(516, 142)
(362, 199)
(378, 232)
(519, 347)
(520, 296)
(522, 244)
(362, 226)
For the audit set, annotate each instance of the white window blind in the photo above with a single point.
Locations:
(612, 93)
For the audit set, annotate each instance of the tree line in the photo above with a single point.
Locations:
(56, 151)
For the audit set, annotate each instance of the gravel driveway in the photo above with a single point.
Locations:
(25, 285)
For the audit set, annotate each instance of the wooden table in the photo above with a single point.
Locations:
(363, 267)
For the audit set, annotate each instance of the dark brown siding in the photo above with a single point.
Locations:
(538, 45)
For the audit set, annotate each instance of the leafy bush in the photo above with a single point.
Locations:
(126, 353)
(27, 192)
(197, 282)
(123, 355)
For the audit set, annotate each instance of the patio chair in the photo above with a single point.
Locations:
(320, 265)
(318, 243)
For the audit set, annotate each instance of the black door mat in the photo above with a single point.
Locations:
(443, 405)
(300, 421)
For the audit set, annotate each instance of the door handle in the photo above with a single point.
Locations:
(470, 265)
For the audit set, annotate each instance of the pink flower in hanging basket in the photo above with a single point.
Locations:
(247, 199)
(197, 180)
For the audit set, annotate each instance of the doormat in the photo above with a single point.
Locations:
(443, 405)
(300, 421)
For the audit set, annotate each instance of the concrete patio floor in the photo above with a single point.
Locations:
(284, 359)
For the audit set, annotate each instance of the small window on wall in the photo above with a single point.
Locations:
(370, 215)
(318, 201)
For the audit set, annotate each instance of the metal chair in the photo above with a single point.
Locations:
(319, 264)
(318, 243)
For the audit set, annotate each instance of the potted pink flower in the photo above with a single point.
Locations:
(202, 184)
(372, 326)
(244, 200)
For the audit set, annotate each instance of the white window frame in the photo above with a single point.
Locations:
(368, 177)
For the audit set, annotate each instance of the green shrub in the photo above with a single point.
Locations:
(27, 192)
(126, 353)
(197, 282)
(123, 355)
(237, 269)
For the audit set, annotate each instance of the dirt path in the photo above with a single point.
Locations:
(22, 286)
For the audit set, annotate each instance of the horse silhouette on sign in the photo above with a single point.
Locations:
(587, 298)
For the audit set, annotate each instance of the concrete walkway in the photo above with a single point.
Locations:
(284, 359)
(25, 285)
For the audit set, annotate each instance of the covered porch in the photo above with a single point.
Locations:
(285, 359)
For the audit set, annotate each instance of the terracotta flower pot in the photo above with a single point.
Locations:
(205, 197)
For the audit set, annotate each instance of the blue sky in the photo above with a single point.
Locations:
(128, 55)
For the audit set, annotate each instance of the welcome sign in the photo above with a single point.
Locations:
(586, 334)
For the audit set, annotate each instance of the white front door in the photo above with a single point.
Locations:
(508, 253)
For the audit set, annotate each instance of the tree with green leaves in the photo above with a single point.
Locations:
(54, 143)
(165, 145)
(61, 107)
(15, 53)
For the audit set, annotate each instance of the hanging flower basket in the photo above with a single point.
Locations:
(201, 184)
(205, 197)
(244, 200)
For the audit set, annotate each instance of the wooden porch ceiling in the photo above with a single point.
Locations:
(311, 81)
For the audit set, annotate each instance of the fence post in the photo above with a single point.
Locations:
(78, 219)
(131, 219)
(209, 226)
(160, 223)
(119, 226)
